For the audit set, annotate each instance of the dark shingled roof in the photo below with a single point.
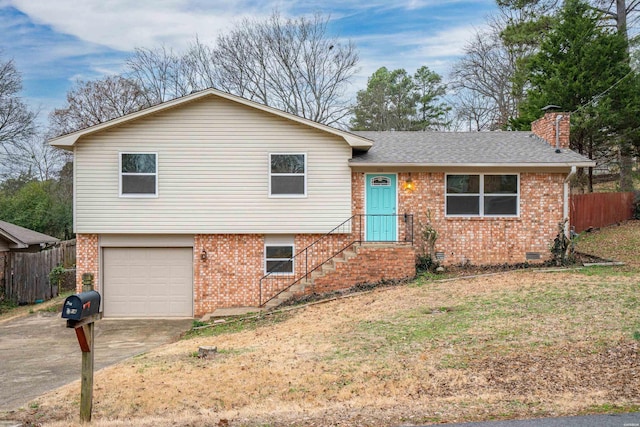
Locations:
(462, 148)
(21, 235)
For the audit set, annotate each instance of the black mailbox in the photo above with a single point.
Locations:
(82, 305)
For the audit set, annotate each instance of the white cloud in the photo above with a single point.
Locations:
(447, 43)
(66, 39)
(124, 25)
(411, 50)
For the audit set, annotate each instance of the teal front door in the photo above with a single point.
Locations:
(381, 208)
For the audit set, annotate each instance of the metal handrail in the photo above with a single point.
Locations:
(326, 255)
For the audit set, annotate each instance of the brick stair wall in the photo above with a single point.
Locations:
(373, 263)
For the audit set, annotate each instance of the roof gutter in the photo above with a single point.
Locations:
(475, 165)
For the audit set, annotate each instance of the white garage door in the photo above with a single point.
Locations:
(148, 282)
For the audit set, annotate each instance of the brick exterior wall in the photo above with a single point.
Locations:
(230, 275)
(87, 259)
(545, 128)
(373, 264)
(481, 240)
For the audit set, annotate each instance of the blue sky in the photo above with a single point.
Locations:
(56, 42)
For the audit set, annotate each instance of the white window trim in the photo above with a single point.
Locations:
(120, 174)
(293, 253)
(288, 196)
(481, 196)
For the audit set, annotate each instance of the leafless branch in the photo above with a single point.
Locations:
(293, 65)
(90, 103)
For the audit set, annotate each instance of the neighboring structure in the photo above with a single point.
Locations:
(14, 238)
(182, 208)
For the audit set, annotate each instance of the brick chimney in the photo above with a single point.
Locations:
(545, 128)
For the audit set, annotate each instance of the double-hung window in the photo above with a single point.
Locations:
(138, 174)
(278, 255)
(482, 195)
(288, 175)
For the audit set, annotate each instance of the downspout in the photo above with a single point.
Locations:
(558, 118)
(565, 213)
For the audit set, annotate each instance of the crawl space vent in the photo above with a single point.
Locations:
(533, 255)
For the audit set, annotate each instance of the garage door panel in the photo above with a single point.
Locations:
(148, 282)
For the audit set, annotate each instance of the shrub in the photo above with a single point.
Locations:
(56, 275)
(426, 260)
(425, 263)
(562, 249)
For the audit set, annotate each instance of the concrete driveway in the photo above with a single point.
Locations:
(38, 353)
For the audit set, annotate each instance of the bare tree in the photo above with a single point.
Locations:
(293, 65)
(475, 112)
(94, 102)
(33, 157)
(484, 76)
(163, 74)
(619, 12)
(290, 64)
(16, 120)
(199, 60)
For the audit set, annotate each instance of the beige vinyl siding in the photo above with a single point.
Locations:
(213, 174)
(148, 241)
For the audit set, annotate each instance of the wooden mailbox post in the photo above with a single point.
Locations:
(82, 311)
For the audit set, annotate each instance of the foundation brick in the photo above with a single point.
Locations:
(230, 276)
(87, 260)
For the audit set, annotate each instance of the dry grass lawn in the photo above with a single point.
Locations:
(512, 345)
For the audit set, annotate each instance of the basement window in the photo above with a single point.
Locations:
(482, 195)
(278, 255)
(138, 175)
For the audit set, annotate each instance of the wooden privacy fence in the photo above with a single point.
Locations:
(600, 209)
(27, 273)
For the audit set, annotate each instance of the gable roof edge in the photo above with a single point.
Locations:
(24, 237)
(11, 238)
(69, 140)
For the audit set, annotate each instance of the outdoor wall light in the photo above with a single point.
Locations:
(203, 255)
(408, 184)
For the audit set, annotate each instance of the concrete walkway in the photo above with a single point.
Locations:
(38, 353)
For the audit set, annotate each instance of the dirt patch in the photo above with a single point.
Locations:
(613, 370)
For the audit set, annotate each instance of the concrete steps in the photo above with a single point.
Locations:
(326, 268)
